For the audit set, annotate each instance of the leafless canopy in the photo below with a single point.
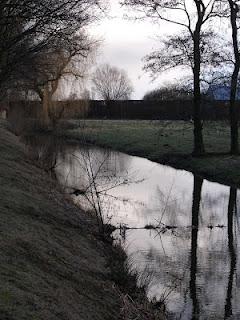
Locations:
(183, 13)
(170, 92)
(28, 27)
(177, 51)
(194, 17)
(111, 83)
(58, 60)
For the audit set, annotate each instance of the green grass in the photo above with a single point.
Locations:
(168, 142)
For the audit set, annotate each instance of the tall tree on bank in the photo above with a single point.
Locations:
(58, 62)
(234, 114)
(192, 16)
(27, 27)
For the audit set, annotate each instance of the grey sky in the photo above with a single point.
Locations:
(125, 44)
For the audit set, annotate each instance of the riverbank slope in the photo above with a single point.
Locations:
(53, 265)
(166, 142)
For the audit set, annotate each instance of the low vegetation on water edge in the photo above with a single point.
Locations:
(167, 142)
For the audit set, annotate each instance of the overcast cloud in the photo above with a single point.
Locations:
(125, 44)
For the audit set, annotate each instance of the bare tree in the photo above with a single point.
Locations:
(192, 16)
(234, 114)
(111, 83)
(27, 27)
(230, 9)
(48, 71)
(52, 67)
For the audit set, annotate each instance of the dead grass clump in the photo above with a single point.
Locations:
(133, 310)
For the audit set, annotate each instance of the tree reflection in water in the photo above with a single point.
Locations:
(197, 190)
(194, 266)
(232, 209)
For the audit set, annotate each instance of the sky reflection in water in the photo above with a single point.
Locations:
(194, 267)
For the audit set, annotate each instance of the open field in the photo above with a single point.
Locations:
(167, 142)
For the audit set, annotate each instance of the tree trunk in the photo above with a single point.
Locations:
(198, 136)
(45, 108)
(50, 116)
(234, 81)
(234, 113)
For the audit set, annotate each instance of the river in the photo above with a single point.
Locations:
(191, 260)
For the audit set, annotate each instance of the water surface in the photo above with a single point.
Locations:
(191, 262)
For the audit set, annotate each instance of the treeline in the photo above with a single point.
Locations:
(122, 110)
(167, 93)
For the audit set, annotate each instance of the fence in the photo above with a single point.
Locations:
(131, 109)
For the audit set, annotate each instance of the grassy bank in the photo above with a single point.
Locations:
(167, 142)
(53, 263)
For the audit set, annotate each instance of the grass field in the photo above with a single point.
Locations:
(168, 142)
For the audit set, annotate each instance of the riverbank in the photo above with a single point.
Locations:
(166, 142)
(54, 264)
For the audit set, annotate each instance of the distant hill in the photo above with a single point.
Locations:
(220, 93)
